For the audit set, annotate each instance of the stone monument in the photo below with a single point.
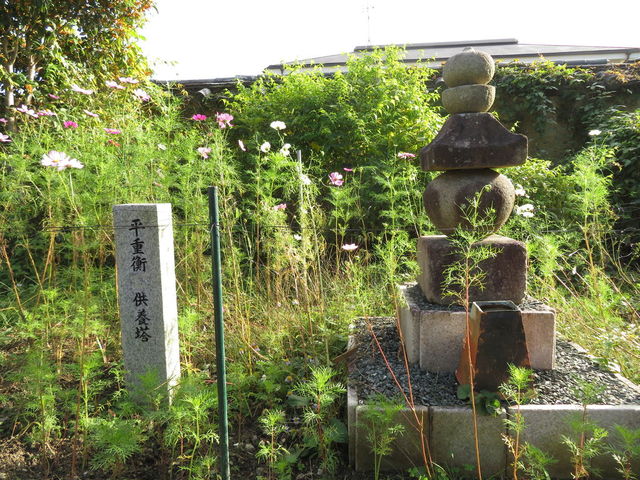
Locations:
(469, 146)
(147, 294)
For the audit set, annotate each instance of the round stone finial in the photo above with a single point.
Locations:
(468, 67)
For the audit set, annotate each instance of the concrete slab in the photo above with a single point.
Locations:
(453, 442)
(407, 449)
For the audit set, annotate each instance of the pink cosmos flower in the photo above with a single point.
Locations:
(336, 179)
(70, 124)
(280, 206)
(140, 94)
(54, 97)
(112, 131)
(27, 111)
(347, 169)
(349, 247)
(47, 113)
(4, 138)
(81, 90)
(198, 117)
(113, 142)
(91, 114)
(204, 152)
(406, 155)
(59, 160)
(4, 121)
(129, 80)
(224, 119)
(240, 144)
(112, 84)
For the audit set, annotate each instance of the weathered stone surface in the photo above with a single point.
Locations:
(496, 339)
(546, 424)
(409, 314)
(435, 334)
(506, 272)
(469, 98)
(453, 444)
(473, 140)
(447, 199)
(468, 67)
(607, 416)
(441, 339)
(540, 329)
(147, 293)
(406, 450)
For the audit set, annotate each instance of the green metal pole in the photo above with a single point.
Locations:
(219, 332)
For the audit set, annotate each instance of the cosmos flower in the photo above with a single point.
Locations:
(241, 145)
(204, 152)
(52, 96)
(47, 113)
(349, 247)
(112, 84)
(69, 124)
(305, 179)
(4, 121)
(198, 117)
(280, 206)
(140, 94)
(59, 160)
(285, 149)
(112, 131)
(595, 133)
(27, 111)
(525, 210)
(336, 179)
(129, 80)
(4, 138)
(278, 125)
(265, 147)
(81, 90)
(224, 120)
(406, 155)
(520, 191)
(91, 114)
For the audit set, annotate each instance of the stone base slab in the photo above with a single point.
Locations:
(505, 273)
(449, 435)
(433, 334)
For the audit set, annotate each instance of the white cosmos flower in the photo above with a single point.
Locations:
(285, 149)
(278, 125)
(525, 210)
(265, 147)
(520, 191)
(59, 160)
(594, 133)
(305, 179)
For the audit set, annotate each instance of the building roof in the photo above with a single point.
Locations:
(502, 50)
(435, 54)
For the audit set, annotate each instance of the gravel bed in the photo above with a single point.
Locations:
(416, 297)
(369, 374)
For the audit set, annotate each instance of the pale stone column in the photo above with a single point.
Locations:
(147, 293)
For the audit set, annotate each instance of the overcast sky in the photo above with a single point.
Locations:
(191, 39)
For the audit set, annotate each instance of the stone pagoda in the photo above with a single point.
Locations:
(469, 147)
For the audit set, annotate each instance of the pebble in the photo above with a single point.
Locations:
(369, 374)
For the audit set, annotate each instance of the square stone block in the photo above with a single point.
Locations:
(453, 443)
(406, 450)
(607, 416)
(434, 334)
(544, 427)
(546, 424)
(505, 273)
(441, 340)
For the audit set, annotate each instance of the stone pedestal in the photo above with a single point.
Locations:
(505, 273)
(147, 296)
(434, 334)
